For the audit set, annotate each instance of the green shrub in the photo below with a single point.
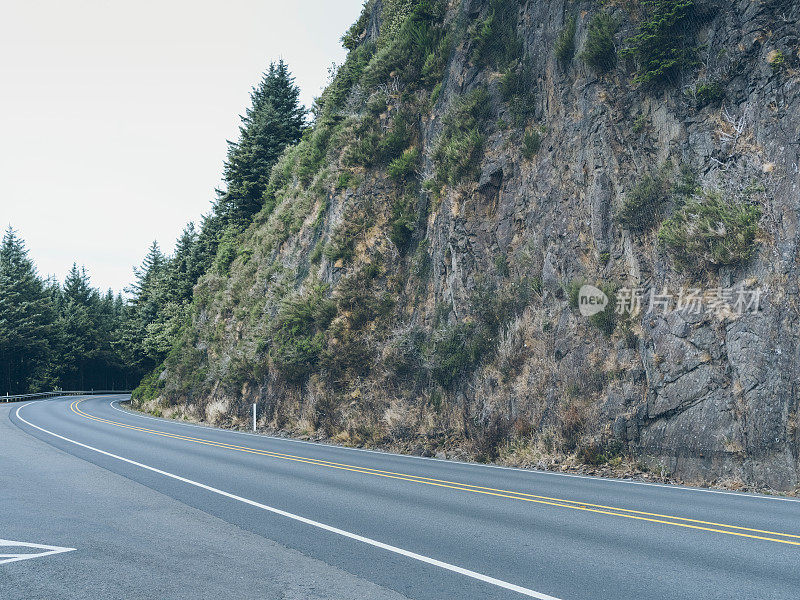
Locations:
(457, 349)
(396, 140)
(316, 253)
(639, 124)
(227, 250)
(404, 167)
(459, 149)
(403, 222)
(363, 152)
(351, 38)
(298, 332)
(661, 46)
(435, 94)
(413, 45)
(501, 266)
(531, 142)
(421, 261)
(710, 230)
(643, 205)
(710, 93)
(345, 77)
(494, 306)
(149, 388)
(606, 320)
(404, 355)
(312, 150)
(565, 43)
(344, 180)
(600, 51)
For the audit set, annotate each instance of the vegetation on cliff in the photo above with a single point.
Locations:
(405, 279)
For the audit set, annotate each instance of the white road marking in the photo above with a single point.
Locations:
(531, 472)
(46, 551)
(353, 536)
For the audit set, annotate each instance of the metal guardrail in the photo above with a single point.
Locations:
(45, 395)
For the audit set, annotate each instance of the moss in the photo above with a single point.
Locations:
(777, 60)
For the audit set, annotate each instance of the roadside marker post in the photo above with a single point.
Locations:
(254, 416)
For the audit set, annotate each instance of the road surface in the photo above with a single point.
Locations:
(163, 509)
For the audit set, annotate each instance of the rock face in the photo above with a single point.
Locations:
(464, 334)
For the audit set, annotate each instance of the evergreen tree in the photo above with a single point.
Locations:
(274, 121)
(26, 316)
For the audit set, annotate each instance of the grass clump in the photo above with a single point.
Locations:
(661, 46)
(531, 143)
(600, 51)
(405, 166)
(342, 244)
(565, 43)
(495, 41)
(710, 230)
(606, 320)
(459, 149)
(518, 90)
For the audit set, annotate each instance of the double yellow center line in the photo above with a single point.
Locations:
(746, 532)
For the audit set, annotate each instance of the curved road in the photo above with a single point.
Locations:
(163, 509)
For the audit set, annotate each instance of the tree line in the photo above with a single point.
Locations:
(72, 336)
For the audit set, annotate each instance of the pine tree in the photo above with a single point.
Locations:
(26, 316)
(274, 121)
(81, 336)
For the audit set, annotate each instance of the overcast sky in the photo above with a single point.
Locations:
(114, 115)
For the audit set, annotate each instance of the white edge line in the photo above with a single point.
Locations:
(531, 472)
(353, 536)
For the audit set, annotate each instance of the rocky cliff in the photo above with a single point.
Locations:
(414, 279)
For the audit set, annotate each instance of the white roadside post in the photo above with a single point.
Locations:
(254, 416)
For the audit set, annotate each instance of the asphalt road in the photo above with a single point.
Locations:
(161, 509)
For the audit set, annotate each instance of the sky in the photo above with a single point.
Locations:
(114, 115)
